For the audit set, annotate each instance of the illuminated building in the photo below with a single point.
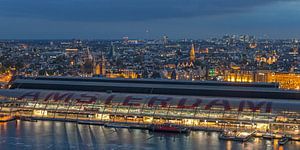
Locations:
(71, 50)
(286, 80)
(253, 45)
(262, 75)
(127, 74)
(88, 63)
(100, 67)
(289, 81)
(205, 51)
(198, 105)
(192, 54)
(185, 64)
(266, 59)
(171, 66)
(72, 62)
(6, 77)
(239, 77)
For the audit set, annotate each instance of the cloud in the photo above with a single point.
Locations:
(123, 10)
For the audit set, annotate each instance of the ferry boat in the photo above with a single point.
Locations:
(167, 127)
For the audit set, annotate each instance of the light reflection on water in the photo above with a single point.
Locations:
(60, 135)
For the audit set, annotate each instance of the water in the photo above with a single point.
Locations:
(59, 135)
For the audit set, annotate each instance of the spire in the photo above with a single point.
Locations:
(192, 53)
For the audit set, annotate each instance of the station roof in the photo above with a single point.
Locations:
(165, 87)
(155, 81)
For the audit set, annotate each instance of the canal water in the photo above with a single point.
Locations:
(43, 135)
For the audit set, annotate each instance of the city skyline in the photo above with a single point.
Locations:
(147, 20)
(150, 74)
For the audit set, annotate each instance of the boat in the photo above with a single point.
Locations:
(6, 118)
(28, 119)
(284, 140)
(116, 125)
(235, 136)
(167, 127)
(223, 136)
(88, 122)
(268, 136)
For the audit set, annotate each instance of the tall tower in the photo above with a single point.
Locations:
(111, 54)
(192, 53)
(100, 67)
(88, 61)
(103, 66)
(97, 69)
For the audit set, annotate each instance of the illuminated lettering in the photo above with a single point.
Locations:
(89, 99)
(223, 103)
(241, 106)
(134, 101)
(256, 107)
(163, 101)
(181, 104)
(56, 96)
(33, 95)
(109, 100)
(269, 107)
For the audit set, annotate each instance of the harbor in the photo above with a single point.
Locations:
(43, 134)
(223, 135)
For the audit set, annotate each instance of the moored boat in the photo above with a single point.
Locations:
(235, 136)
(28, 119)
(167, 127)
(284, 140)
(268, 135)
(6, 118)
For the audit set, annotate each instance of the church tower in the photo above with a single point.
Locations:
(100, 67)
(192, 54)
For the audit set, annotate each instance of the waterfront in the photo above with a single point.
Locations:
(67, 135)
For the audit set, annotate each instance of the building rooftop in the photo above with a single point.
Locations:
(166, 87)
(155, 81)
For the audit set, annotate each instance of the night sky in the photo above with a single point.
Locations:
(113, 19)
